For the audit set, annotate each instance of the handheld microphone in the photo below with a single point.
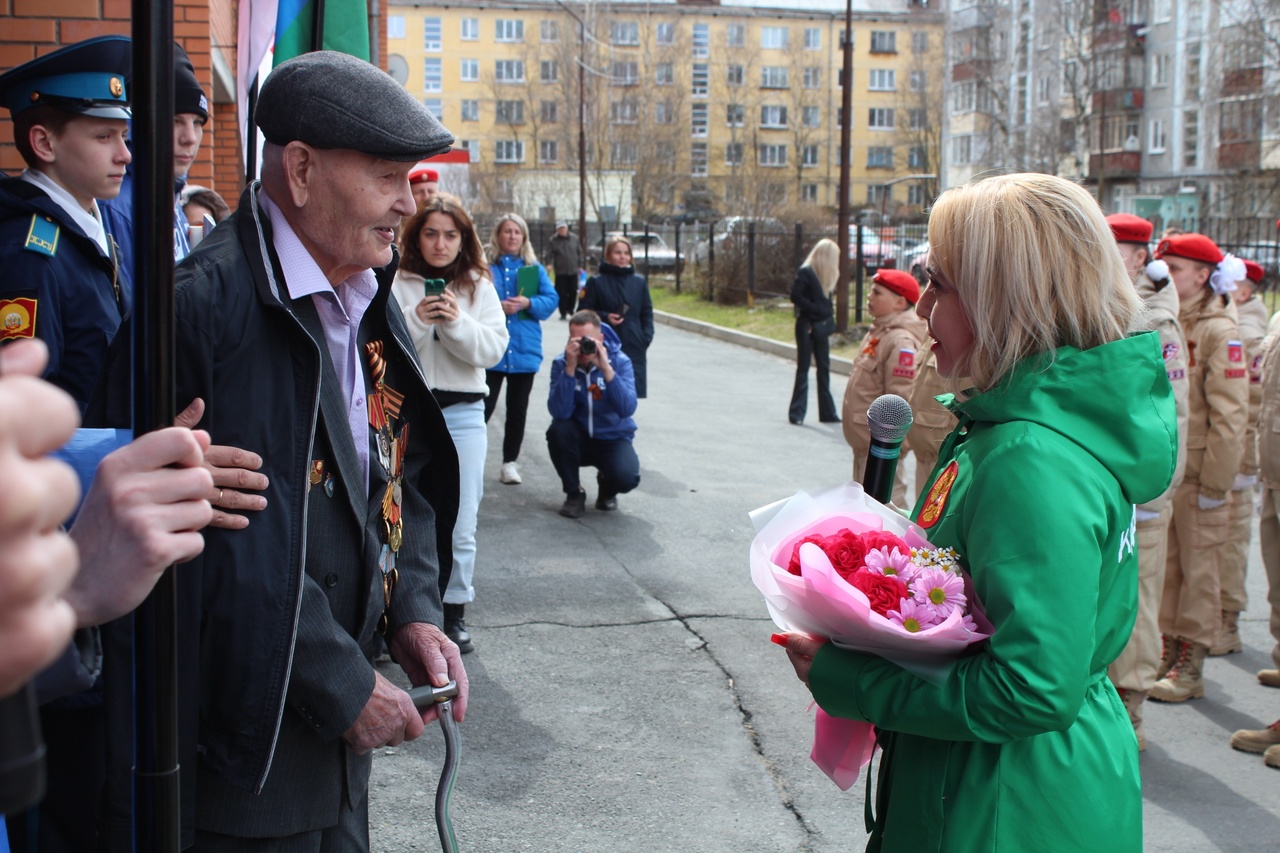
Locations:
(21, 752)
(888, 418)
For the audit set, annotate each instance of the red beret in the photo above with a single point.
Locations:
(1128, 228)
(420, 174)
(1253, 272)
(900, 282)
(1195, 247)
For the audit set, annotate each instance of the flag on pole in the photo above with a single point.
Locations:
(346, 27)
(257, 29)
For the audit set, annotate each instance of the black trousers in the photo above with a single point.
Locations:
(615, 459)
(815, 347)
(567, 287)
(518, 387)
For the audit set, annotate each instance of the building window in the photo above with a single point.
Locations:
(663, 113)
(1190, 138)
(625, 74)
(809, 156)
(880, 118)
(623, 153)
(879, 194)
(508, 29)
(431, 35)
(883, 80)
(918, 81)
(1162, 11)
(470, 70)
(395, 26)
(432, 75)
(472, 147)
(549, 31)
(772, 155)
(1193, 70)
(698, 159)
(701, 41)
(666, 33)
(774, 38)
(733, 154)
(962, 150)
(917, 119)
(624, 33)
(809, 193)
(548, 151)
(1157, 142)
(773, 117)
(1160, 69)
(880, 157)
(916, 157)
(735, 35)
(626, 111)
(508, 151)
(550, 112)
(773, 77)
(509, 112)
(734, 75)
(811, 116)
(435, 106)
(664, 74)
(813, 77)
(509, 70)
(549, 71)
(471, 29)
(699, 120)
(963, 96)
(919, 42)
(915, 195)
(812, 38)
(883, 41)
(1044, 86)
(470, 110)
(735, 115)
(701, 79)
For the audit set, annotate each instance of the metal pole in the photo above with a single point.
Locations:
(317, 26)
(846, 118)
(251, 145)
(582, 142)
(156, 785)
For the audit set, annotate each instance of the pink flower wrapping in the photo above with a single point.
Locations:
(820, 601)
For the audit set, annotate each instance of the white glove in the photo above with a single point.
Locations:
(1207, 504)
(1244, 481)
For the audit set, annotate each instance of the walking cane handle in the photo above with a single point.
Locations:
(425, 696)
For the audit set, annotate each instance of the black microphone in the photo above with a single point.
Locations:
(888, 418)
(21, 752)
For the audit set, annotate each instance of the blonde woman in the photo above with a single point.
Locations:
(1066, 421)
(815, 321)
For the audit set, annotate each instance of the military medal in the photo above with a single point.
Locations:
(316, 473)
(384, 406)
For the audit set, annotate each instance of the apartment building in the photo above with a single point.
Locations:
(687, 109)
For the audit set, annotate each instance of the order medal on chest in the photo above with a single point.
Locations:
(391, 438)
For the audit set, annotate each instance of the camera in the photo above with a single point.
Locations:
(586, 346)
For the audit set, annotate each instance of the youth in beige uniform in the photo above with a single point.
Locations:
(1134, 671)
(1252, 317)
(885, 365)
(1218, 404)
(932, 422)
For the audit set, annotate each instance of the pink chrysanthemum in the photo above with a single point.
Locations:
(885, 561)
(912, 616)
(940, 590)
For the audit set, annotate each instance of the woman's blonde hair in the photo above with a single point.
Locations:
(824, 260)
(615, 239)
(493, 252)
(1035, 267)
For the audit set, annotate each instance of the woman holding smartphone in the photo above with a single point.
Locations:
(621, 297)
(456, 320)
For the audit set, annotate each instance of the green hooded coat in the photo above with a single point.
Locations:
(1026, 746)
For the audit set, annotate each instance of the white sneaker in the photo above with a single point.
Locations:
(510, 474)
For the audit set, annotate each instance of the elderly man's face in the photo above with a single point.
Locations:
(353, 206)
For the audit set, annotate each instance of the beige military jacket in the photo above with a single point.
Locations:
(1253, 329)
(1269, 410)
(886, 365)
(932, 421)
(1162, 313)
(1218, 396)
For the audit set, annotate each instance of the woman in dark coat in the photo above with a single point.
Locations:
(621, 298)
(815, 321)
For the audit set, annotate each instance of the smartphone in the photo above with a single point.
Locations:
(433, 286)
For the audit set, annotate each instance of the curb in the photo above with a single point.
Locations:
(843, 366)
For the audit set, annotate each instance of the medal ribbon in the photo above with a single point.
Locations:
(384, 405)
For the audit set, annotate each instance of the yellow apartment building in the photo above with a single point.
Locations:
(687, 109)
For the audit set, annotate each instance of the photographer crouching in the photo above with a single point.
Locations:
(593, 396)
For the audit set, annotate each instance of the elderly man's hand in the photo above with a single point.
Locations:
(144, 512)
(428, 656)
(233, 470)
(388, 719)
(37, 560)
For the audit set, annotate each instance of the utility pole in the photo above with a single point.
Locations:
(846, 119)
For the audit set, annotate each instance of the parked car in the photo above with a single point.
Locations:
(876, 252)
(730, 234)
(661, 258)
(914, 258)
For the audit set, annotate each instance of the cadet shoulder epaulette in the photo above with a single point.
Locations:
(42, 237)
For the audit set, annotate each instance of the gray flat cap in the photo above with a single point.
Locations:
(329, 99)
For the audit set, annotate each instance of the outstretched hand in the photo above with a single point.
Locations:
(234, 471)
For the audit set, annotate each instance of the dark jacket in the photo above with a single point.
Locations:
(564, 254)
(619, 290)
(603, 409)
(812, 303)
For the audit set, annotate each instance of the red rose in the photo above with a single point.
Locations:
(885, 539)
(794, 566)
(885, 592)
(846, 552)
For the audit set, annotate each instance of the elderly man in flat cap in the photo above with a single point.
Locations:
(286, 329)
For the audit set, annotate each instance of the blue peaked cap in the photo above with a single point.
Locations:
(87, 77)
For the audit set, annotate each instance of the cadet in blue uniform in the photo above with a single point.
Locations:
(61, 279)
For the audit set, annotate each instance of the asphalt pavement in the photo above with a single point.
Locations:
(624, 692)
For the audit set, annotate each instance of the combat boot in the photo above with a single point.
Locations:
(1133, 700)
(1228, 639)
(1169, 648)
(1185, 679)
(1259, 740)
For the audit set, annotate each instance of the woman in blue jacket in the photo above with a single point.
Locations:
(509, 250)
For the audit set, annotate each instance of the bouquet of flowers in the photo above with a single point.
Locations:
(843, 566)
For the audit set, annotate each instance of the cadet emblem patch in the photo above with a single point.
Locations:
(1235, 351)
(1234, 373)
(908, 372)
(17, 318)
(42, 236)
(906, 357)
(1175, 375)
(1171, 350)
(936, 500)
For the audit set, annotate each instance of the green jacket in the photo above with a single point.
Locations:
(1026, 747)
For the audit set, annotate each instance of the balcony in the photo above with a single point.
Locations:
(1118, 100)
(1115, 164)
